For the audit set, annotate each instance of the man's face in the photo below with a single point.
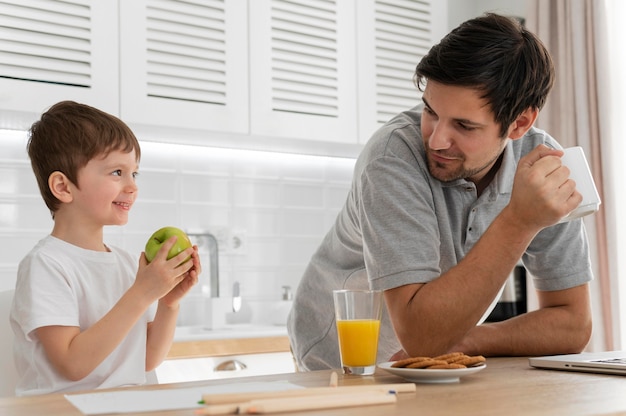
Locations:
(460, 134)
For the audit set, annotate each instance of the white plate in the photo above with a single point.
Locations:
(420, 375)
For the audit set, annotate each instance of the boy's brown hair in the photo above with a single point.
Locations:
(68, 136)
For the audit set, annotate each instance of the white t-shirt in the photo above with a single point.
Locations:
(62, 284)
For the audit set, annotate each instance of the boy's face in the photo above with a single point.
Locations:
(107, 188)
(460, 133)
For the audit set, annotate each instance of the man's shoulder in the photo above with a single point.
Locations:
(406, 122)
(399, 136)
(533, 138)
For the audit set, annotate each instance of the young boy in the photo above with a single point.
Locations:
(82, 311)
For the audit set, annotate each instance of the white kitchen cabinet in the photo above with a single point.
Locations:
(336, 70)
(185, 64)
(392, 36)
(303, 62)
(282, 74)
(52, 51)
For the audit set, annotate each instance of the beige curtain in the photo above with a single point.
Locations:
(571, 115)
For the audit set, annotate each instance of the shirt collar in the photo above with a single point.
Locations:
(503, 181)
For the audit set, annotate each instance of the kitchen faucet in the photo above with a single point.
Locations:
(214, 270)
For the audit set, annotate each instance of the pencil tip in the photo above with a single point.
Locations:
(333, 379)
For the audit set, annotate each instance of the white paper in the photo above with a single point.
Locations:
(128, 401)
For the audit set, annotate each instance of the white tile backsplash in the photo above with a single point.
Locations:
(303, 222)
(206, 188)
(285, 204)
(260, 193)
(303, 195)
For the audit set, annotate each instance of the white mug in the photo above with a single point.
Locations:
(574, 159)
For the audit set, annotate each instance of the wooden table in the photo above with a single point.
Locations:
(508, 386)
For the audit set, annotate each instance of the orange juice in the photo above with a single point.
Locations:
(358, 341)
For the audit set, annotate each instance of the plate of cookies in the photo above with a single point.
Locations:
(447, 368)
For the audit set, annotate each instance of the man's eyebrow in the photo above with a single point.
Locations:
(458, 120)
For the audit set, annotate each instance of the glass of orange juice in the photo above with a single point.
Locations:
(358, 313)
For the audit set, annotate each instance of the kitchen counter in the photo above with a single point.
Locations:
(507, 386)
(192, 342)
(197, 333)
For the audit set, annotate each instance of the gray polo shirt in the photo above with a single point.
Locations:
(400, 225)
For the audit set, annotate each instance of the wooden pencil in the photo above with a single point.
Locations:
(311, 391)
(333, 379)
(300, 403)
(295, 404)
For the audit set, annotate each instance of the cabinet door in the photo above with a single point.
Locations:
(393, 35)
(302, 69)
(57, 50)
(184, 64)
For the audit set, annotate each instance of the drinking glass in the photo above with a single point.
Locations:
(358, 314)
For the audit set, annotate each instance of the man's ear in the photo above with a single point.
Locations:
(523, 123)
(60, 186)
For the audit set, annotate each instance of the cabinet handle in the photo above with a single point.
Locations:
(230, 365)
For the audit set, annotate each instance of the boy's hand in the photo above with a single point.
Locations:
(156, 279)
(190, 278)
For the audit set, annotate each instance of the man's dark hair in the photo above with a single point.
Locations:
(497, 56)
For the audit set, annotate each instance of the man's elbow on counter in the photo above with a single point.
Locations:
(580, 339)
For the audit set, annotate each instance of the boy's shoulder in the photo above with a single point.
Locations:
(46, 245)
(51, 249)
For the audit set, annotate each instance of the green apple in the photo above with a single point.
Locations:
(161, 236)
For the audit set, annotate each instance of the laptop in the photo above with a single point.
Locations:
(607, 362)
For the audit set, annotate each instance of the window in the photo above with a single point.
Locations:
(614, 149)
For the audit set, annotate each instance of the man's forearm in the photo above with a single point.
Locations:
(439, 314)
(547, 331)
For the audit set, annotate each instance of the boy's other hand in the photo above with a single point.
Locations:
(190, 278)
(158, 278)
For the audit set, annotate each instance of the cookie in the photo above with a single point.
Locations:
(452, 360)
(446, 366)
(471, 361)
(407, 361)
(450, 357)
(426, 363)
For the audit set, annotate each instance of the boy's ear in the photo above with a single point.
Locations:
(523, 123)
(60, 186)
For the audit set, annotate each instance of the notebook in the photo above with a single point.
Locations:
(607, 362)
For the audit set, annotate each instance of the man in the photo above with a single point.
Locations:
(446, 199)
